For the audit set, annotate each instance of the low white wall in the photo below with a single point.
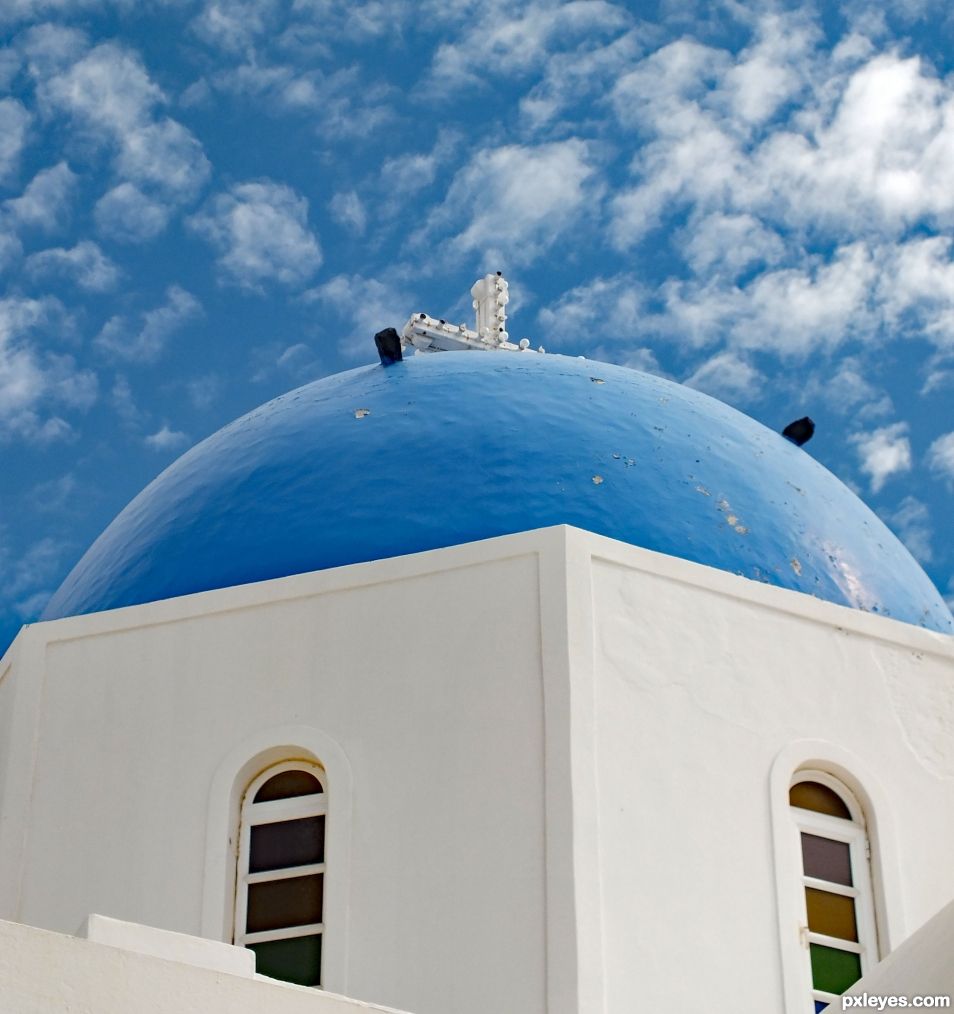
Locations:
(49, 973)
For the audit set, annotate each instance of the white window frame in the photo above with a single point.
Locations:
(852, 832)
(253, 814)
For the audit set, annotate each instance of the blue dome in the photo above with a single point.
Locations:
(453, 447)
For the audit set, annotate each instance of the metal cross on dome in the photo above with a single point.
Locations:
(490, 293)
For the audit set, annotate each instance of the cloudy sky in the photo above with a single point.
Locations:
(204, 203)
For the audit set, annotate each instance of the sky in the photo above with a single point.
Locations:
(206, 203)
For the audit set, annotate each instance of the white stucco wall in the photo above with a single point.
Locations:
(49, 973)
(567, 761)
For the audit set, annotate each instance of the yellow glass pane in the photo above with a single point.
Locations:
(831, 914)
(818, 797)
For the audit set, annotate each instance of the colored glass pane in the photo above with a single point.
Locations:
(275, 904)
(834, 970)
(286, 843)
(826, 859)
(818, 797)
(295, 960)
(287, 785)
(831, 914)
(821, 1005)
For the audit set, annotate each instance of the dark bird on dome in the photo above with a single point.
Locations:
(388, 342)
(800, 431)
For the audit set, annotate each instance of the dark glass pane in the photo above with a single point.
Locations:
(818, 797)
(826, 859)
(820, 1005)
(287, 785)
(831, 914)
(834, 970)
(276, 904)
(296, 960)
(287, 843)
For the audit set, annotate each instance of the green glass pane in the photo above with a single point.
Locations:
(826, 859)
(276, 904)
(288, 785)
(296, 960)
(818, 797)
(833, 970)
(831, 914)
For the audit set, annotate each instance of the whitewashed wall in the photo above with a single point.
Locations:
(565, 760)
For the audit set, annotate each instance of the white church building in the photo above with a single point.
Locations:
(500, 683)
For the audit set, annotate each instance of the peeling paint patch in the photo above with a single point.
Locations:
(598, 380)
(360, 413)
(796, 566)
(742, 530)
(597, 480)
(703, 491)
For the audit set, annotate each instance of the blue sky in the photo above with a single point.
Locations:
(204, 203)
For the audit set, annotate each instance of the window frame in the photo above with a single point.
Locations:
(852, 832)
(254, 814)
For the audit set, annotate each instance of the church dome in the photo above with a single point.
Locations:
(453, 447)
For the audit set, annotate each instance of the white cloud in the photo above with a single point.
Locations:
(110, 94)
(847, 390)
(126, 214)
(884, 453)
(609, 308)
(166, 439)
(234, 25)
(365, 306)
(729, 245)
(513, 42)
(261, 233)
(517, 201)
(348, 210)
(45, 201)
(33, 383)
(122, 341)
(14, 123)
(912, 521)
(11, 250)
(941, 457)
(728, 377)
(85, 263)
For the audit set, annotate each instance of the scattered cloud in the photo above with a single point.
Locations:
(847, 391)
(940, 457)
(608, 308)
(912, 521)
(109, 94)
(85, 263)
(126, 214)
(348, 210)
(518, 41)
(45, 202)
(364, 306)
(261, 233)
(166, 439)
(35, 383)
(884, 453)
(144, 343)
(728, 377)
(517, 201)
(14, 123)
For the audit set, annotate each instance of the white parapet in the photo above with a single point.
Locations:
(189, 950)
(49, 973)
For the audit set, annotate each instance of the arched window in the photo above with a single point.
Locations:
(838, 913)
(281, 871)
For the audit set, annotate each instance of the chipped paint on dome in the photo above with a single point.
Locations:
(451, 448)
